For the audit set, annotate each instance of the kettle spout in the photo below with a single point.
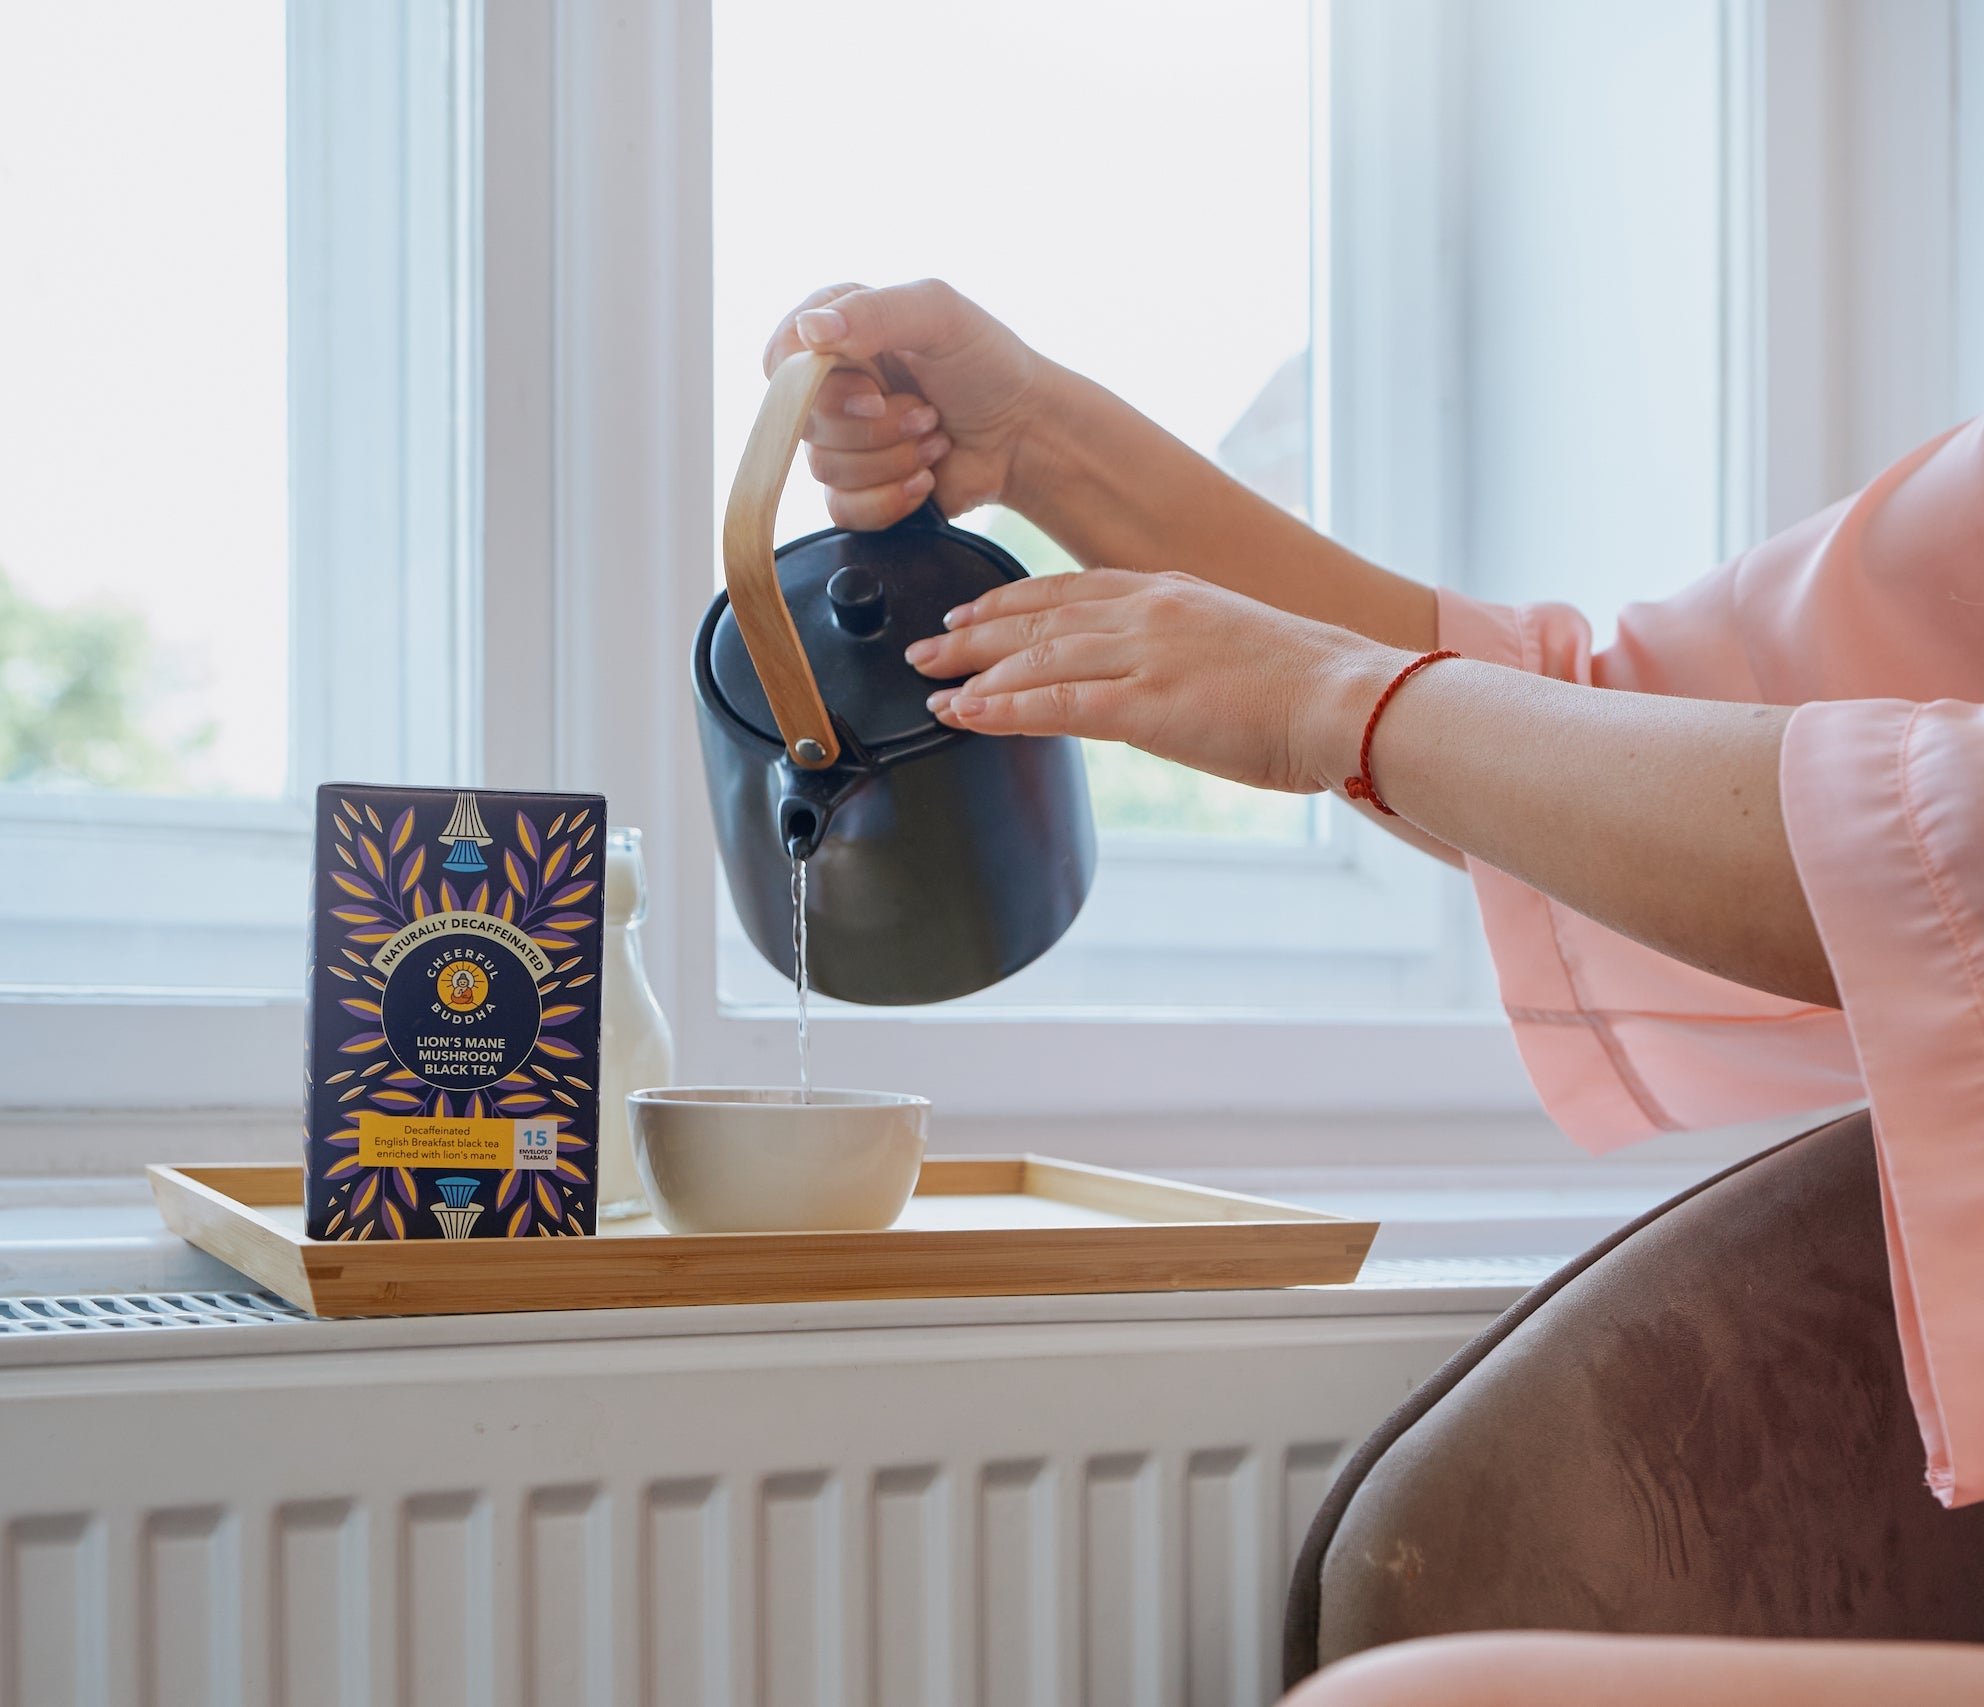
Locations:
(802, 823)
(808, 800)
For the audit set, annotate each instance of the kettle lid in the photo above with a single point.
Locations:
(858, 600)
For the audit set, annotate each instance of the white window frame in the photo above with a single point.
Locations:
(379, 502)
(588, 499)
(988, 1064)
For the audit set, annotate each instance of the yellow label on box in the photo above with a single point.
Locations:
(409, 1141)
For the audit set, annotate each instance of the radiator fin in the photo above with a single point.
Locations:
(1306, 1477)
(1121, 1551)
(911, 1589)
(685, 1593)
(567, 1610)
(446, 1642)
(189, 1631)
(51, 1627)
(1227, 1611)
(1018, 1586)
(322, 1650)
(800, 1611)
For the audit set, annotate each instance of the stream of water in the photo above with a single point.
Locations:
(799, 981)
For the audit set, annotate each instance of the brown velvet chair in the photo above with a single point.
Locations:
(1699, 1428)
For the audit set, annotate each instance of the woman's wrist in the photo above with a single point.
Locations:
(1065, 416)
(1347, 675)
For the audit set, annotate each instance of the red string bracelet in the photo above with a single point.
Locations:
(1361, 787)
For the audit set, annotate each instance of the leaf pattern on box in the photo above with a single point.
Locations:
(376, 891)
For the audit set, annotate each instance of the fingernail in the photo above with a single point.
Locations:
(819, 326)
(921, 653)
(941, 698)
(867, 405)
(966, 705)
(933, 449)
(918, 485)
(918, 421)
(958, 617)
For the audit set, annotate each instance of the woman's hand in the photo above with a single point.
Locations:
(977, 417)
(1168, 663)
(958, 424)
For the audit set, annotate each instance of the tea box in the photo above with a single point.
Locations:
(453, 1014)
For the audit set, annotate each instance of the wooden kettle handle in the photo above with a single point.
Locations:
(748, 567)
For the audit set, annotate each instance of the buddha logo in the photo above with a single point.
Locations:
(457, 1210)
(462, 986)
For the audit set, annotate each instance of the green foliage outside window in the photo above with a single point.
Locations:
(77, 690)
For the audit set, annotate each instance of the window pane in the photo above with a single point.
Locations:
(143, 525)
(1127, 185)
(236, 241)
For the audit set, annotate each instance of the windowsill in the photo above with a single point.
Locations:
(64, 1236)
(1473, 1207)
(1485, 1234)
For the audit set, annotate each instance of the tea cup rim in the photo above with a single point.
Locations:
(747, 1096)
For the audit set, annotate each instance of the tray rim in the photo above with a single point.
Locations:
(1183, 1237)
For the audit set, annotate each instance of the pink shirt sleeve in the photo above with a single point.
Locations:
(1870, 618)
(1884, 803)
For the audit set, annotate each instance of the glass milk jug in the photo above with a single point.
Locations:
(635, 1048)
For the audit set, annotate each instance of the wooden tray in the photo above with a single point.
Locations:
(977, 1227)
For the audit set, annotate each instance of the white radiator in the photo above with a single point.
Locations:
(357, 1515)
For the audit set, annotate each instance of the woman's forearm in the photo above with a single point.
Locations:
(1114, 489)
(1658, 817)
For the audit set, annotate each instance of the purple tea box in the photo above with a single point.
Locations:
(452, 1063)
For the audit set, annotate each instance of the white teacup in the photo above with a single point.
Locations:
(744, 1160)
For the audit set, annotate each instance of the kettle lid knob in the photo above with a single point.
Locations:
(859, 604)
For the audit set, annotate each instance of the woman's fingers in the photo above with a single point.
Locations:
(879, 441)
(785, 339)
(1043, 592)
(1072, 684)
(931, 349)
(1066, 658)
(927, 318)
(1025, 613)
(867, 509)
(1180, 668)
(872, 453)
(1098, 711)
(981, 645)
(850, 413)
(845, 470)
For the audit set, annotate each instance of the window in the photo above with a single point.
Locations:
(228, 468)
(1214, 214)
(1140, 203)
(1452, 279)
(1547, 299)
(143, 527)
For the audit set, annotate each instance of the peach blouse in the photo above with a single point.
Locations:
(1870, 619)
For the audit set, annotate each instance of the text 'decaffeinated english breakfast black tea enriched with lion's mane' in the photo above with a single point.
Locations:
(453, 1054)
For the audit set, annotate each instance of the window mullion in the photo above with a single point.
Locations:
(374, 555)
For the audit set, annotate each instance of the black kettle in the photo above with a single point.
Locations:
(937, 861)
